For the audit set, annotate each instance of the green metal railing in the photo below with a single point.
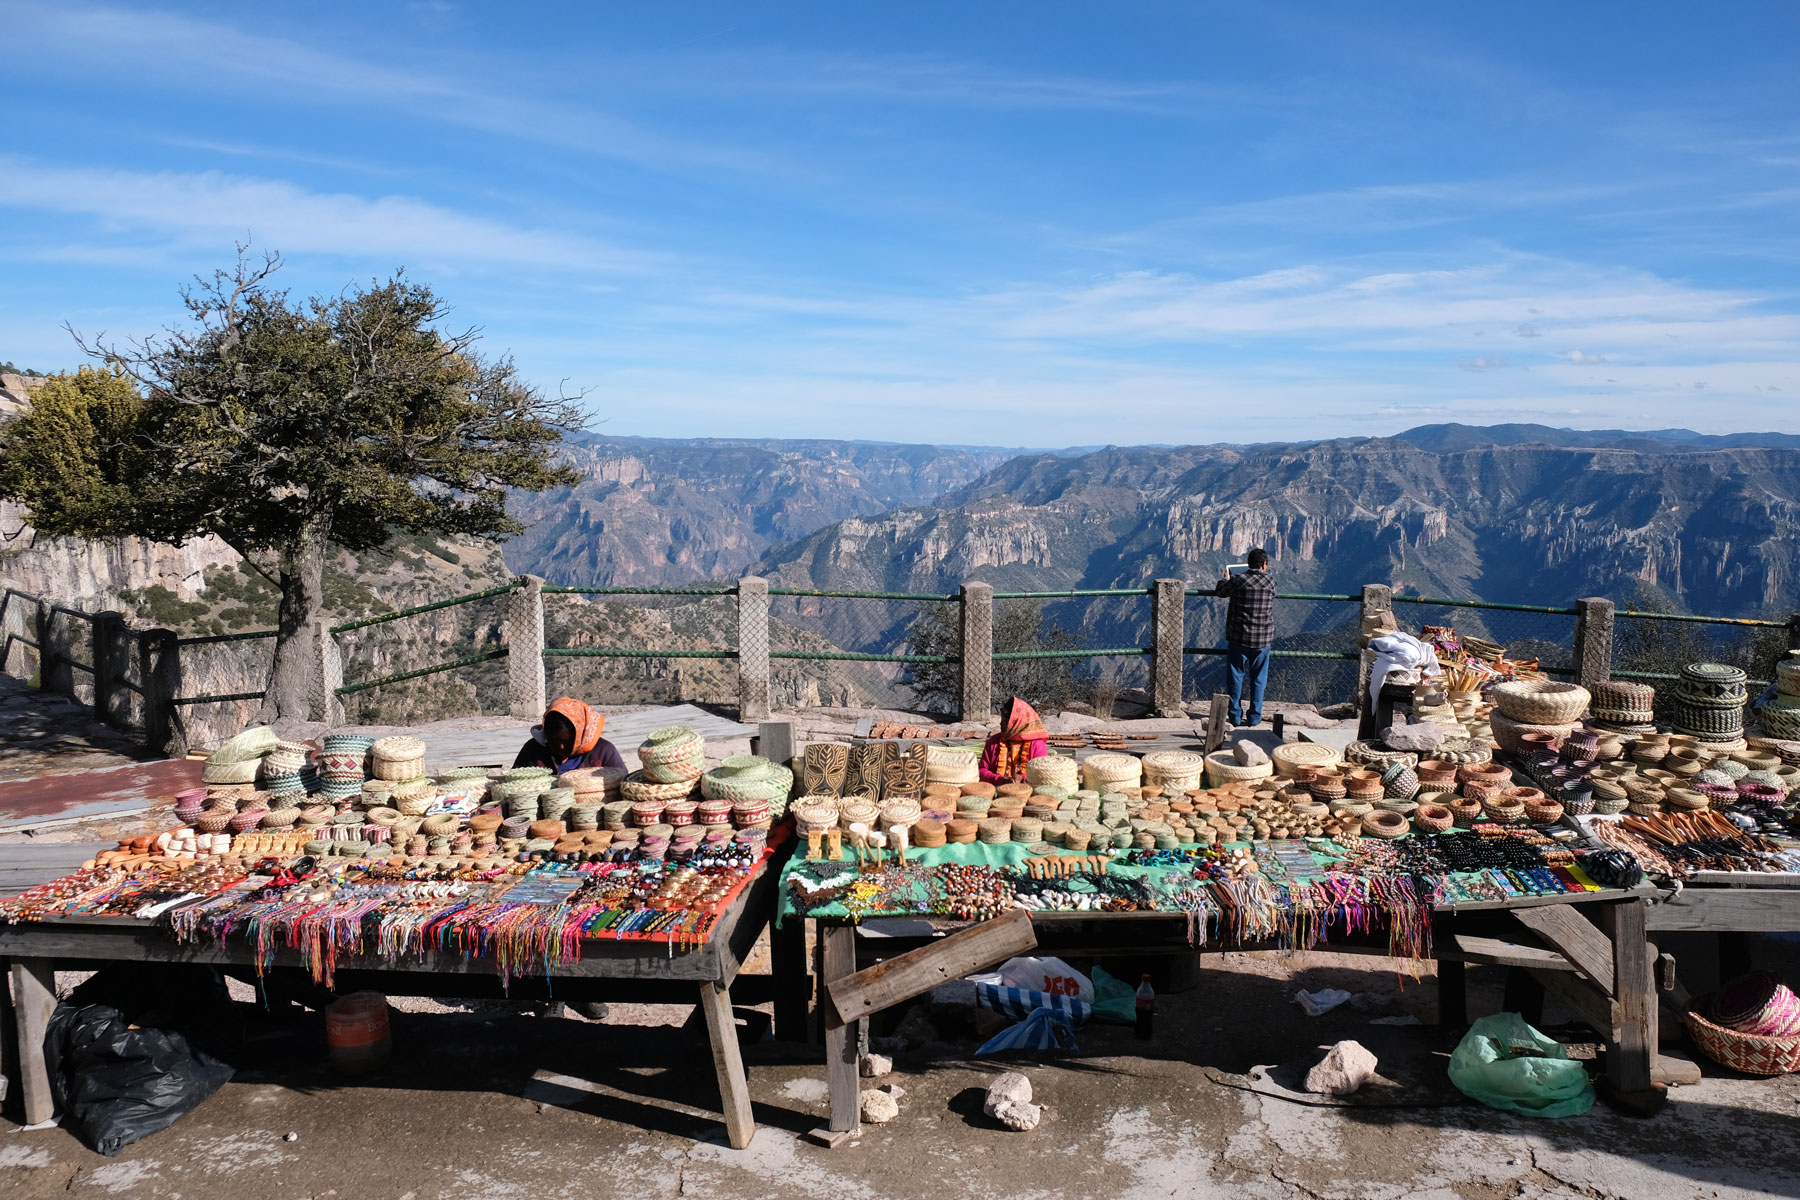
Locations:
(224, 699)
(854, 656)
(582, 589)
(1443, 602)
(1075, 593)
(1752, 622)
(434, 606)
(420, 673)
(610, 652)
(211, 639)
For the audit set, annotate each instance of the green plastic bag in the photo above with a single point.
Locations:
(1114, 999)
(1505, 1063)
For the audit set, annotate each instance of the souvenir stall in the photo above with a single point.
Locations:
(355, 867)
(1107, 853)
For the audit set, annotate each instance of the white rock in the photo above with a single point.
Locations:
(1346, 1067)
(876, 1065)
(1418, 739)
(892, 1089)
(1008, 1086)
(1016, 1116)
(878, 1107)
(1249, 754)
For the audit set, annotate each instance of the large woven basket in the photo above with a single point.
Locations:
(747, 777)
(673, 754)
(1750, 1053)
(1541, 701)
(230, 772)
(247, 746)
(1290, 755)
(1222, 768)
(952, 764)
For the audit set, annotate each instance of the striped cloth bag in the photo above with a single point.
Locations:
(1047, 1021)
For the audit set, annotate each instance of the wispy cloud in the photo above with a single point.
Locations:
(212, 209)
(258, 68)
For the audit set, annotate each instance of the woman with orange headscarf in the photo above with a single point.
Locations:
(569, 739)
(1022, 737)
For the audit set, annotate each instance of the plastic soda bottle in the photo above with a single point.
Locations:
(1146, 1008)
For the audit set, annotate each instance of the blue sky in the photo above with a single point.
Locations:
(1014, 224)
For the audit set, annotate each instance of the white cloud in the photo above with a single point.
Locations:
(1579, 358)
(257, 68)
(212, 209)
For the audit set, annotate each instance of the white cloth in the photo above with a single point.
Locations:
(1398, 652)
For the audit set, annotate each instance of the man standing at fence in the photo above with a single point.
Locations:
(1249, 628)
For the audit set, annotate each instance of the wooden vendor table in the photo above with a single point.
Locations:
(1593, 958)
(608, 968)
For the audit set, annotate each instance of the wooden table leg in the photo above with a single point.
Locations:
(1452, 978)
(787, 962)
(728, 1062)
(34, 998)
(837, 960)
(1630, 1061)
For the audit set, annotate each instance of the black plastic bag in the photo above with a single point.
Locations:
(114, 1084)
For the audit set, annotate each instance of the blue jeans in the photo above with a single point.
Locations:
(1243, 661)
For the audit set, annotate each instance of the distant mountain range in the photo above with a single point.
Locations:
(1649, 441)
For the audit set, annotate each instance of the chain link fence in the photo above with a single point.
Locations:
(851, 650)
(1307, 663)
(1526, 632)
(1653, 647)
(653, 647)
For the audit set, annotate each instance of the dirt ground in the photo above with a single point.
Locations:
(495, 1103)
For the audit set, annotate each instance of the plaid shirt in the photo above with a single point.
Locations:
(1250, 620)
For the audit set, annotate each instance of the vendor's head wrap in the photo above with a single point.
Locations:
(1021, 723)
(586, 721)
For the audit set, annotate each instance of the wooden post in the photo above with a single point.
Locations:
(1629, 1061)
(1593, 641)
(977, 653)
(159, 667)
(775, 741)
(1168, 618)
(837, 960)
(787, 963)
(1215, 721)
(525, 684)
(728, 1063)
(109, 667)
(34, 998)
(53, 663)
(754, 699)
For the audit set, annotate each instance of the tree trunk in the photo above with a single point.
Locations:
(294, 674)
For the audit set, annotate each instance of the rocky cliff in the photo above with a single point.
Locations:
(669, 511)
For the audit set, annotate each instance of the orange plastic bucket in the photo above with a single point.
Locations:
(356, 1030)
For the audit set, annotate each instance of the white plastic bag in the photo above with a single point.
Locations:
(1050, 975)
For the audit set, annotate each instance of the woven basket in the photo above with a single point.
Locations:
(952, 764)
(1099, 770)
(748, 777)
(1222, 768)
(230, 772)
(673, 754)
(594, 781)
(1053, 770)
(1371, 754)
(1290, 755)
(635, 788)
(396, 769)
(248, 746)
(1509, 733)
(1749, 1053)
(1541, 701)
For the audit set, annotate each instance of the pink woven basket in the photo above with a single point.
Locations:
(1752, 1054)
(1758, 1003)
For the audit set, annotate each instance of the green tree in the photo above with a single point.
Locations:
(281, 427)
(1045, 683)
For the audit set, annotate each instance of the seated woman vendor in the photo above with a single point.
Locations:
(1022, 737)
(569, 739)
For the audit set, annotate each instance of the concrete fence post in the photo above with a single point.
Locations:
(159, 667)
(1593, 641)
(1794, 632)
(110, 668)
(323, 703)
(524, 630)
(977, 653)
(1168, 615)
(1377, 602)
(754, 700)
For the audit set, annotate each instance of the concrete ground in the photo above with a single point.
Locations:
(492, 1104)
